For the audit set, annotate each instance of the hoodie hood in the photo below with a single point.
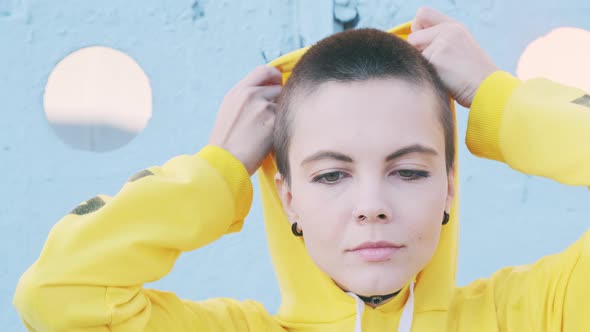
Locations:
(309, 296)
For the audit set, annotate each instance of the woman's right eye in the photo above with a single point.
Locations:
(329, 178)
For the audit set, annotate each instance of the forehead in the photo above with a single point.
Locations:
(372, 114)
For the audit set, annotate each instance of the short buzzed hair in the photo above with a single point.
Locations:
(352, 56)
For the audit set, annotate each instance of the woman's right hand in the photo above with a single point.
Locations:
(246, 117)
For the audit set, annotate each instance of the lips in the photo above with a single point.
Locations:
(380, 244)
(375, 251)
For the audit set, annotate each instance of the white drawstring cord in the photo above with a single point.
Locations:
(405, 323)
(360, 308)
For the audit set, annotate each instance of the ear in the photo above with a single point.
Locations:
(284, 192)
(450, 189)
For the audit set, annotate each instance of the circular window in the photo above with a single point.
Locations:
(97, 99)
(561, 55)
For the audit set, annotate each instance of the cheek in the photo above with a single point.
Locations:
(426, 235)
(427, 243)
(321, 207)
(323, 235)
(422, 233)
(323, 218)
(322, 221)
(423, 222)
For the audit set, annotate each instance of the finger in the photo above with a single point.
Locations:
(270, 92)
(262, 75)
(276, 77)
(427, 17)
(421, 39)
(428, 52)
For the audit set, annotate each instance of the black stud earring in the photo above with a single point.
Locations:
(446, 218)
(295, 231)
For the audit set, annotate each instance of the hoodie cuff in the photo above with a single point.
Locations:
(487, 111)
(236, 176)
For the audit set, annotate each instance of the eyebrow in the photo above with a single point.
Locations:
(416, 148)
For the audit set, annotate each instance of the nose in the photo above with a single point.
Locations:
(371, 207)
(371, 215)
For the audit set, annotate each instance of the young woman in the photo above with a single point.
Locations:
(359, 198)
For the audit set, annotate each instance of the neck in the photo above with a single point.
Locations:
(377, 300)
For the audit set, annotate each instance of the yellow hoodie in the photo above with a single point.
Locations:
(90, 274)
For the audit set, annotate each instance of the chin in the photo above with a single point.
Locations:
(369, 283)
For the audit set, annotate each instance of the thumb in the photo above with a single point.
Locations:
(422, 39)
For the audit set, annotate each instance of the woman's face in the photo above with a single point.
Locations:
(368, 170)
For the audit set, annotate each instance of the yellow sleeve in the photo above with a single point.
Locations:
(537, 127)
(549, 295)
(540, 128)
(91, 271)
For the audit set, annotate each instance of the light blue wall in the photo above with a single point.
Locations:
(507, 218)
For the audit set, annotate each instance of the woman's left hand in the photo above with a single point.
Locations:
(447, 44)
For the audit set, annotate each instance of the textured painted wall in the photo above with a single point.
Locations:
(193, 52)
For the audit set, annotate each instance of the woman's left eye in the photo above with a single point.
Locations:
(329, 178)
(412, 175)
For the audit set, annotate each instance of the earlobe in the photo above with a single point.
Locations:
(284, 193)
